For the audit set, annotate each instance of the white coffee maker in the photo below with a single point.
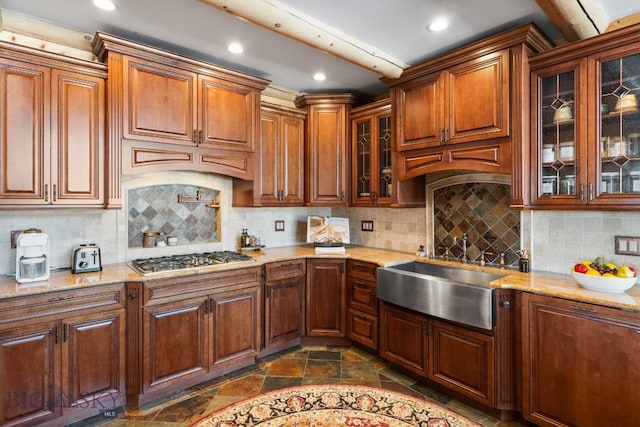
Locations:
(32, 256)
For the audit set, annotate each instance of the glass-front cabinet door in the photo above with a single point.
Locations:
(617, 156)
(371, 155)
(558, 123)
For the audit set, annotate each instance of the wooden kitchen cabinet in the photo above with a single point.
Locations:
(279, 161)
(170, 112)
(580, 363)
(585, 126)
(62, 355)
(362, 303)
(327, 148)
(462, 359)
(181, 332)
(325, 298)
(467, 102)
(284, 284)
(403, 338)
(52, 145)
(468, 110)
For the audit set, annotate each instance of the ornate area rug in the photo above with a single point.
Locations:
(335, 405)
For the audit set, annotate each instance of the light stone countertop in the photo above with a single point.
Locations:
(544, 283)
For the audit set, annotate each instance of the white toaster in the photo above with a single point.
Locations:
(86, 258)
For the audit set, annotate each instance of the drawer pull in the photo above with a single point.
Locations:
(584, 309)
(58, 299)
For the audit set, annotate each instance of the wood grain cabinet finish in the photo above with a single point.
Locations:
(476, 364)
(62, 355)
(327, 149)
(170, 112)
(580, 363)
(468, 109)
(587, 156)
(284, 303)
(183, 331)
(362, 303)
(52, 145)
(279, 161)
(325, 298)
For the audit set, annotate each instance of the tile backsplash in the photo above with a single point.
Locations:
(481, 211)
(156, 208)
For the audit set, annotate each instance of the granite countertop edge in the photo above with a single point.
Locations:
(538, 282)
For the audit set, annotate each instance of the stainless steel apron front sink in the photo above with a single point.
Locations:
(450, 293)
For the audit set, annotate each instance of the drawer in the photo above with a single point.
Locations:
(284, 270)
(361, 269)
(63, 303)
(362, 328)
(362, 295)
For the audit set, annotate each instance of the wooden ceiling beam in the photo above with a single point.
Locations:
(576, 19)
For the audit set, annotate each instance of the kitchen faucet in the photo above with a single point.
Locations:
(464, 259)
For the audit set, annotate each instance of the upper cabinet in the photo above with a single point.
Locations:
(585, 141)
(327, 150)
(53, 133)
(467, 109)
(468, 102)
(169, 112)
(279, 161)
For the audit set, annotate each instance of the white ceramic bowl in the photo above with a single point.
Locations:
(614, 285)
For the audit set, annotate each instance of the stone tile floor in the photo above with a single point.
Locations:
(301, 365)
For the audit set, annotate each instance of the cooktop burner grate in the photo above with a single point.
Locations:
(181, 262)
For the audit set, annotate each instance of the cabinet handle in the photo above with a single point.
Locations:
(55, 192)
(58, 299)
(194, 136)
(591, 191)
(584, 309)
(582, 192)
(200, 136)
(65, 333)
(441, 135)
(446, 135)
(46, 192)
(342, 196)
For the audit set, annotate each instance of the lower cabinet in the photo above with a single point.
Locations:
(325, 298)
(580, 363)
(187, 330)
(284, 303)
(475, 364)
(63, 360)
(362, 304)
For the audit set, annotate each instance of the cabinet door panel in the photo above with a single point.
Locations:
(175, 342)
(462, 360)
(236, 326)
(159, 102)
(421, 114)
(403, 339)
(362, 328)
(326, 306)
(30, 373)
(268, 158)
(291, 176)
(283, 310)
(24, 140)
(78, 133)
(227, 113)
(580, 363)
(93, 352)
(479, 98)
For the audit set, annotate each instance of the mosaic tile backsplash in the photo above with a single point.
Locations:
(481, 210)
(156, 208)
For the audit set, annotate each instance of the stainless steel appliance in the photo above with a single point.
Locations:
(32, 256)
(86, 258)
(181, 262)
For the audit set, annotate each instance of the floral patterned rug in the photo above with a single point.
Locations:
(335, 405)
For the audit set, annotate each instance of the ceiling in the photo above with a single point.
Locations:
(394, 30)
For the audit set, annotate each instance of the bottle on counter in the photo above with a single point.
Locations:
(524, 261)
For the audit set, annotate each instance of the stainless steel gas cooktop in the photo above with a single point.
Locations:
(181, 262)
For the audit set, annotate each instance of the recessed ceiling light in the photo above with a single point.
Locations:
(235, 48)
(438, 24)
(319, 76)
(104, 4)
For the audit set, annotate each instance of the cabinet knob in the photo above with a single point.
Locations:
(506, 304)
(133, 296)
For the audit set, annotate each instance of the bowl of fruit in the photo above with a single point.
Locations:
(598, 275)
